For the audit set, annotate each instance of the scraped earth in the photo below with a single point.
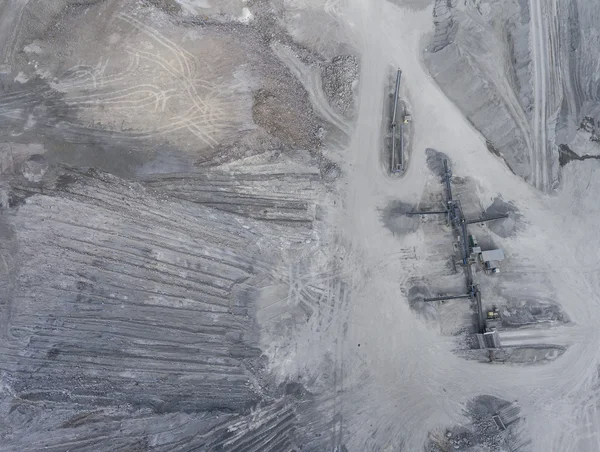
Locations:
(200, 249)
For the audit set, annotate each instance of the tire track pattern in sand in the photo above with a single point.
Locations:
(164, 90)
(547, 85)
(283, 198)
(129, 302)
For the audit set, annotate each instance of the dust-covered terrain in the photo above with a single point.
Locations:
(201, 247)
(526, 64)
(160, 168)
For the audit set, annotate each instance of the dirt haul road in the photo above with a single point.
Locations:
(409, 380)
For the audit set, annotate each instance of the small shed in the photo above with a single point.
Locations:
(492, 255)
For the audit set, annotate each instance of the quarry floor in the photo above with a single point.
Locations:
(417, 368)
(219, 281)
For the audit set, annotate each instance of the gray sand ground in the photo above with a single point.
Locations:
(201, 247)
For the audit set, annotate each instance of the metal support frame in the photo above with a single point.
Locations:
(448, 297)
(428, 212)
(401, 139)
(486, 219)
(458, 221)
(448, 181)
(480, 318)
(465, 235)
(397, 167)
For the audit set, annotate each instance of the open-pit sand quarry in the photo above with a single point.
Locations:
(202, 247)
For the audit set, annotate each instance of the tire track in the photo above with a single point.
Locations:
(181, 101)
(83, 294)
(281, 198)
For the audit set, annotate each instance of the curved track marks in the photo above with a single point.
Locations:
(179, 99)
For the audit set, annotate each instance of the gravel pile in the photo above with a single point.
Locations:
(483, 433)
(339, 79)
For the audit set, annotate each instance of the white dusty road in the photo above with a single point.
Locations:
(404, 380)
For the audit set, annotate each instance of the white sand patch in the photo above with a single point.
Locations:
(246, 16)
(193, 6)
(32, 48)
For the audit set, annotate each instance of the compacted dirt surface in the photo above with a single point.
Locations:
(202, 250)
